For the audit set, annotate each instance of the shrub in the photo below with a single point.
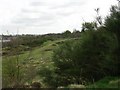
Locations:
(86, 60)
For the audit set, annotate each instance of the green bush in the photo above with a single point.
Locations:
(91, 58)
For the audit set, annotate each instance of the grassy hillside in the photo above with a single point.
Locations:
(30, 62)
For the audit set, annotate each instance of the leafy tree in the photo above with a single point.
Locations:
(93, 52)
(64, 63)
(76, 33)
(67, 33)
(87, 59)
(112, 24)
(89, 26)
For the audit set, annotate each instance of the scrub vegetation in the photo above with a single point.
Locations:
(89, 58)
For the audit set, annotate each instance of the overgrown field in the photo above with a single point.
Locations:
(29, 63)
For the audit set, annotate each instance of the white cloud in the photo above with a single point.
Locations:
(48, 16)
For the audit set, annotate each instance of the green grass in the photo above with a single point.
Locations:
(31, 62)
(107, 82)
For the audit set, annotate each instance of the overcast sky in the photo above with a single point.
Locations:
(48, 16)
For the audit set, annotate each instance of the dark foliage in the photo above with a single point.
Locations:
(94, 56)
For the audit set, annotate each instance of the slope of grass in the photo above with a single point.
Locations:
(107, 82)
(41, 57)
(30, 62)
